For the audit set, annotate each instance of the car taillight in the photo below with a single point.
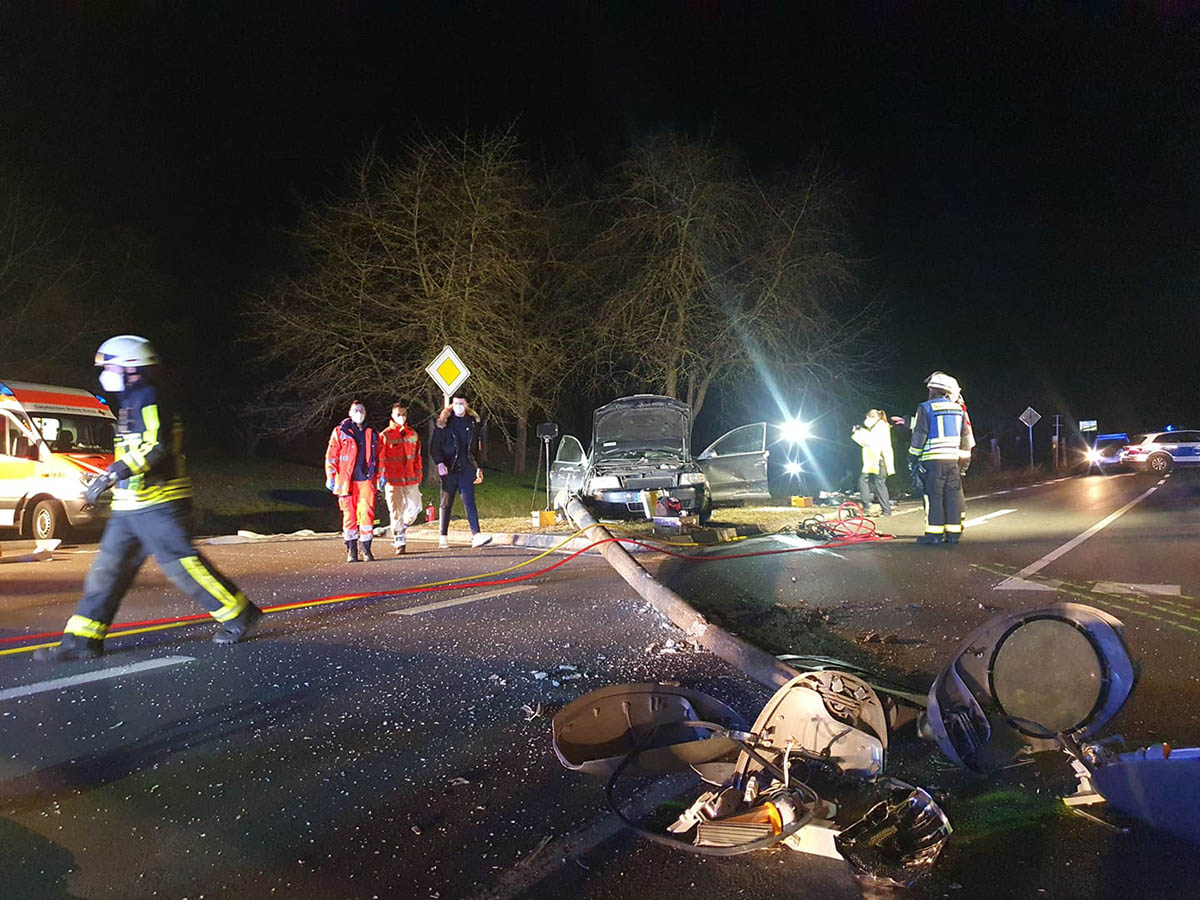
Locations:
(1134, 448)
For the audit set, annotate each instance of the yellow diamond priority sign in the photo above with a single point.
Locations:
(447, 370)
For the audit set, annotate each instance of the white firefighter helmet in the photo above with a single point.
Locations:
(126, 350)
(940, 381)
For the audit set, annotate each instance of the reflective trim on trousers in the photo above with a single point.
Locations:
(231, 604)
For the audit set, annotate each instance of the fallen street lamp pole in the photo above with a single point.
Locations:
(757, 664)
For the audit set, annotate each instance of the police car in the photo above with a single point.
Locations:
(1161, 451)
(1105, 453)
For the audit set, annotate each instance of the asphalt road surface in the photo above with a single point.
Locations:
(398, 745)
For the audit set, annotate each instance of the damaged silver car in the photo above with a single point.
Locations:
(641, 444)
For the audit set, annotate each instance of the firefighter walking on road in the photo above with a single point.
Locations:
(939, 455)
(351, 470)
(151, 511)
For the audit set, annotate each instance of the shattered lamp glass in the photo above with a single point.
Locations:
(897, 842)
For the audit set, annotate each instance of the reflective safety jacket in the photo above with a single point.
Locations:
(149, 443)
(941, 430)
(341, 455)
(400, 454)
(876, 443)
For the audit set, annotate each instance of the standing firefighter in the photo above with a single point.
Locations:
(351, 470)
(151, 508)
(400, 459)
(939, 455)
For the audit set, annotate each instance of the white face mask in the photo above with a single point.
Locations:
(113, 382)
(358, 416)
(460, 409)
(398, 419)
(869, 422)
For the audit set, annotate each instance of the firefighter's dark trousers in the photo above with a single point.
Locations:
(130, 536)
(943, 497)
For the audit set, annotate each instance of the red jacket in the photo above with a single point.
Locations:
(342, 453)
(400, 454)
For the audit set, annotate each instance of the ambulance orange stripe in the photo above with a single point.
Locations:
(85, 401)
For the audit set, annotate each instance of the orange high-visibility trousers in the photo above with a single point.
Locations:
(358, 511)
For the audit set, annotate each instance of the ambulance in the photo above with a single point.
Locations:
(53, 442)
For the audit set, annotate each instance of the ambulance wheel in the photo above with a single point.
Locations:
(47, 520)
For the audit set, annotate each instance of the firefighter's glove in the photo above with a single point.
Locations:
(98, 486)
(917, 472)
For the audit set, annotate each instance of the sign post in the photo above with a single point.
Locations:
(1030, 417)
(448, 372)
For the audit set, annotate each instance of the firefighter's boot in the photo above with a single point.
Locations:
(929, 540)
(952, 538)
(366, 551)
(351, 551)
(72, 648)
(236, 629)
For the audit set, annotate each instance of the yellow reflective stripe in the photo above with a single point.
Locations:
(935, 529)
(940, 405)
(139, 498)
(231, 605)
(135, 461)
(83, 627)
(954, 529)
(915, 451)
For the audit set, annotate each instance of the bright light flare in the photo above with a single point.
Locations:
(1093, 456)
(793, 468)
(795, 431)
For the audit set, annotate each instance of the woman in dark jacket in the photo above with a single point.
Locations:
(455, 448)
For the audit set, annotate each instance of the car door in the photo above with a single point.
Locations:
(18, 466)
(1188, 451)
(568, 469)
(736, 464)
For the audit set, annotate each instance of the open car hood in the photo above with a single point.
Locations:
(646, 422)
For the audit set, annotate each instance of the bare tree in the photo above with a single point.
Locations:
(450, 244)
(44, 320)
(706, 275)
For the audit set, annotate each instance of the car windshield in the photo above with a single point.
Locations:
(1110, 443)
(75, 434)
(1137, 439)
(641, 431)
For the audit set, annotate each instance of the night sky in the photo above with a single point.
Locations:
(1025, 178)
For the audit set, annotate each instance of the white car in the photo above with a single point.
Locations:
(1161, 451)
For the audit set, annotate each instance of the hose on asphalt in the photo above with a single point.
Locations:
(854, 535)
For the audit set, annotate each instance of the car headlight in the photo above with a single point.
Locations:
(1093, 456)
(604, 483)
(692, 478)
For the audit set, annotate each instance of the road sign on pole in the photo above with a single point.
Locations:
(448, 372)
(1030, 417)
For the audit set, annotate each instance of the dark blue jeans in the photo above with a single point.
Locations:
(459, 483)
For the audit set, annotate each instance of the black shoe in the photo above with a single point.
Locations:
(366, 551)
(952, 540)
(929, 540)
(351, 551)
(236, 629)
(71, 648)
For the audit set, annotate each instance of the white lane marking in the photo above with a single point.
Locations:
(1125, 587)
(100, 675)
(459, 601)
(1023, 584)
(970, 523)
(1074, 542)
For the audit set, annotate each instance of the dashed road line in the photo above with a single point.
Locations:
(459, 601)
(100, 675)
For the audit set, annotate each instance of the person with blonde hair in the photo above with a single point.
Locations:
(874, 435)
